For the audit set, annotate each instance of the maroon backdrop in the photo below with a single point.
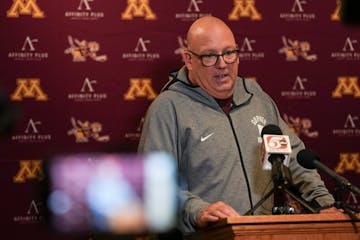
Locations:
(83, 72)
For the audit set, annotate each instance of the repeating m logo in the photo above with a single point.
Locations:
(29, 169)
(335, 16)
(244, 8)
(140, 87)
(25, 7)
(348, 162)
(28, 88)
(138, 8)
(347, 86)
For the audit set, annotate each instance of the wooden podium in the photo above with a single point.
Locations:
(282, 227)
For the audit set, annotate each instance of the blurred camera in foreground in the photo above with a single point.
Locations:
(111, 193)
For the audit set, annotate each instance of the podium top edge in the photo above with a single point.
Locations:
(287, 218)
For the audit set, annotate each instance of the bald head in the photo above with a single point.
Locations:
(210, 37)
(205, 29)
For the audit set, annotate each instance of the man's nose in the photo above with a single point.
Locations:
(221, 63)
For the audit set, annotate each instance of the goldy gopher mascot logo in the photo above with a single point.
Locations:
(81, 50)
(85, 130)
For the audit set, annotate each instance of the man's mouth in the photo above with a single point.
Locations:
(220, 76)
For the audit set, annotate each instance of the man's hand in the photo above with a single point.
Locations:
(214, 212)
(331, 210)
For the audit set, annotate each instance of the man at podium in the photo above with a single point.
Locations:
(210, 120)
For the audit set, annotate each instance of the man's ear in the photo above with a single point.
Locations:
(187, 58)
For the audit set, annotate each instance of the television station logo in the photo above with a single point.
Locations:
(248, 51)
(141, 52)
(275, 144)
(88, 92)
(349, 52)
(28, 88)
(28, 51)
(351, 127)
(297, 13)
(84, 131)
(25, 7)
(32, 215)
(82, 50)
(244, 9)
(192, 13)
(295, 49)
(300, 126)
(298, 90)
(32, 133)
(138, 8)
(84, 12)
(346, 85)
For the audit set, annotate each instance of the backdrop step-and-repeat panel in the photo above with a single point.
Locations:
(78, 75)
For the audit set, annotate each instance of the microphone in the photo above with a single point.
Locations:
(275, 150)
(275, 146)
(310, 160)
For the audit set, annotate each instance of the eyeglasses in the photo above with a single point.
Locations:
(210, 59)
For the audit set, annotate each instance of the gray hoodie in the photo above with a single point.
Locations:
(218, 154)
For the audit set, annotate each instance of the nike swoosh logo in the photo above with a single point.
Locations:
(206, 137)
